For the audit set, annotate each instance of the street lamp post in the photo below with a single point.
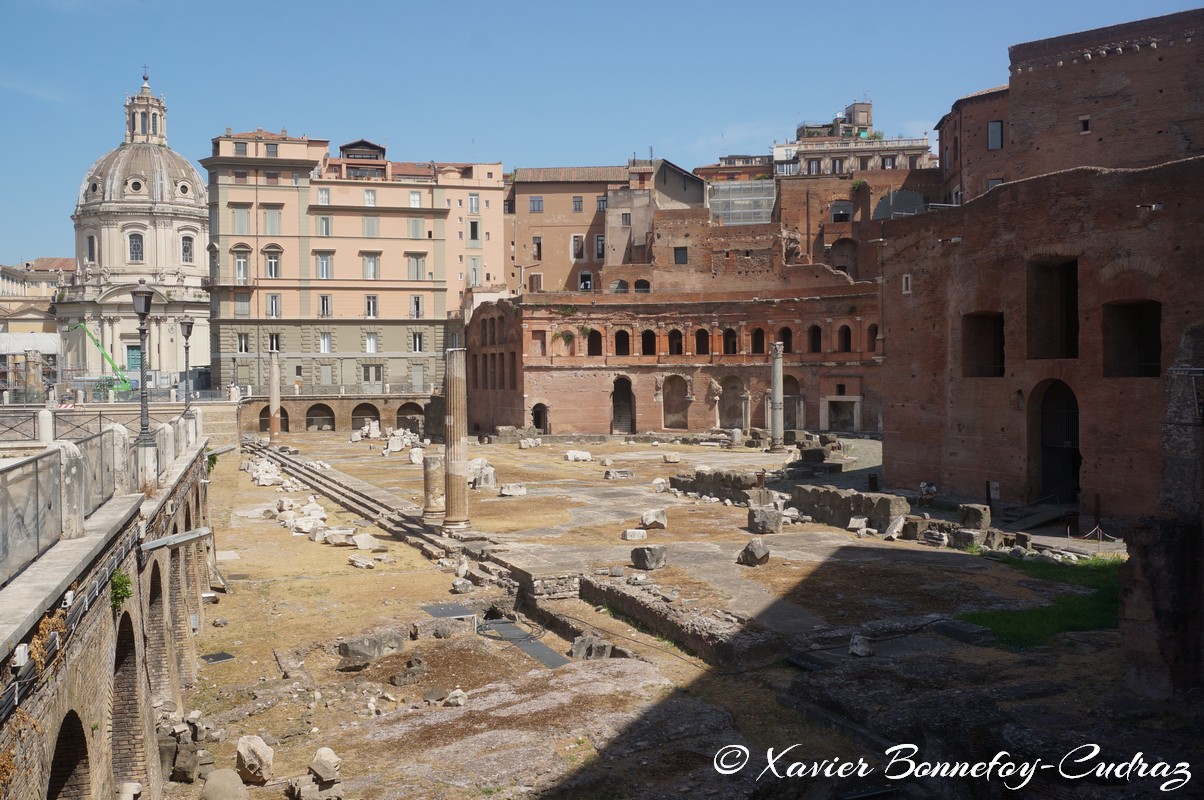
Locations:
(142, 303)
(186, 329)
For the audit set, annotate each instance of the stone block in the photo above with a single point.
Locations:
(591, 647)
(754, 554)
(672, 458)
(617, 474)
(857, 524)
(650, 557)
(223, 784)
(578, 455)
(513, 490)
(633, 534)
(975, 516)
(654, 518)
(253, 759)
(764, 519)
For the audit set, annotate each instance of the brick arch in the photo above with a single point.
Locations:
(156, 648)
(364, 413)
(1148, 266)
(126, 738)
(179, 624)
(70, 768)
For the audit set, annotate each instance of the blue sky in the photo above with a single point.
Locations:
(527, 83)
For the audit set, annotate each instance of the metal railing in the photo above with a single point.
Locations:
(19, 426)
(31, 515)
(78, 424)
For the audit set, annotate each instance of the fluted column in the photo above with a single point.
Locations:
(434, 490)
(776, 421)
(274, 399)
(455, 442)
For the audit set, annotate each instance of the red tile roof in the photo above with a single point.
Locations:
(570, 175)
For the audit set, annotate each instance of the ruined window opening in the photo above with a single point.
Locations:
(995, 134)
(647, 343)
(906, 284)
(643, 287)
(675, 343)
(1053, 309)
(622, 343)
(871, 338)
(758, 341)
(814, 339)
(844, 339)
(786, 337)
(982, 345)
(681, 255)
(842, 211)
(1132, 339)
(702, 342)
(729, 342)
(594, 344)
(840, 389)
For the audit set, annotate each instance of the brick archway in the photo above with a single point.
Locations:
(156, 638)
(126, 739)
(70, 770)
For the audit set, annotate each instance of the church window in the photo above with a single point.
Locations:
(186, 249)
(135, 247)
(142, 122)
(155, 124)
(92, 249)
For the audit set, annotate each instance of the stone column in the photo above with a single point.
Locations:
(274, 399)
(776, 423)
(455, 442)
(434, 488)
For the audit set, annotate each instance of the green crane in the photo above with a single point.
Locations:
(122, 383)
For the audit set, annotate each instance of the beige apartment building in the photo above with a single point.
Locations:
(352, 267)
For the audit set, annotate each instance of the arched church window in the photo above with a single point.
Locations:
(155, 124)
(135, 247)
(92, 249)
(186, 249)
(142, 120)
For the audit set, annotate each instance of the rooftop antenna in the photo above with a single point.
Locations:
(649, 152)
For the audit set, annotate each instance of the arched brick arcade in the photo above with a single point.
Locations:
(70, 768)
(126, 742)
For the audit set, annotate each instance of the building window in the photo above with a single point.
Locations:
(271, 178)
(244, 342)
(474, 270)
(416, 342)
(371, 227)
(325, 345)
(537, 248)
(536, 204)
(599, 247)
(371, 342)
(601, 202)
(578, 204)
(416, 266)
(323, 197)
(240, 176)
(92, 249)
(271, 222)
(242, 221)
(995, 134)
(416, 306)
(242, 261)
(186, 249)
(842, 211)
(864, 163)
(813, 166)
(993, 182)
(325, 266)
(325, 305)
(474, 233)
(371, 303)
(535, 282)
(837, 166)
(474, 203)
(906, 284)
(415, 228)
(1053, 309)
(272, 261)
(370, 198)
(273, 305)
(888, 162)
(585, 282)
(272, 150)
(274, 342)
(625, 219)
(242, 304)
(371, 266)
(578, 246)
(1133, 339)
(416, 200)
(982, 345)
(507, 207)
(681, 255)
(296, 179)
(373, 373)
(1084, 124)
(240, 148)
(844, 339)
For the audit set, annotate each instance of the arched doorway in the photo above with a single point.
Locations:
(731, 403)
(1057, 421)
(675, 402)
(265, 420)
(129, 755)
(319, 417)
(594, 343)
(648, 343)
(70, 773)
(363, 414)
(622, 407)
(181, 628)
(410, 417)
(156, 638)
(539, 418)
(791, 395)
(622, 343)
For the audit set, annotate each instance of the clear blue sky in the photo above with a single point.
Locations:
(557, 83)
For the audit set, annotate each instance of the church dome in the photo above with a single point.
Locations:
(143, 170)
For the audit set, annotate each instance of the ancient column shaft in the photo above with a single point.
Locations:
(776, 420)
(274, 399)
(434, 488)
(455, 441)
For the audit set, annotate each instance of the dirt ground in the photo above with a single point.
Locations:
(526, 729)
